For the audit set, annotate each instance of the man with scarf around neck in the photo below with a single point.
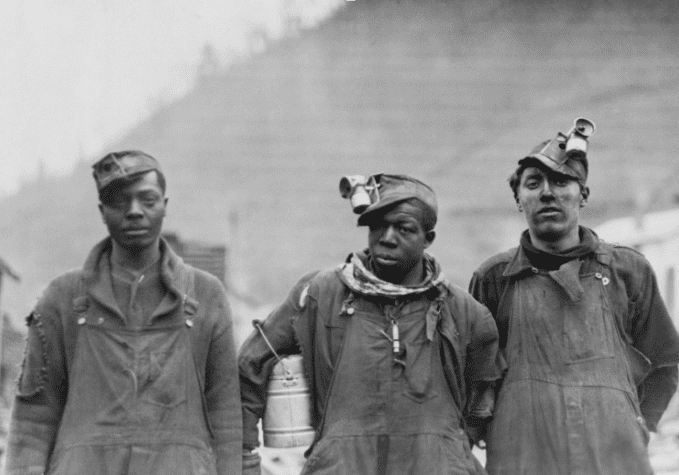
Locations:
(399, 361)
(591, 350)
(130, 364)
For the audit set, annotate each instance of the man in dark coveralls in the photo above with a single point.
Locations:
(398, 360)
(130, 364)
(591, 351)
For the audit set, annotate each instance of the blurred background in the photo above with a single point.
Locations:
(256, 108)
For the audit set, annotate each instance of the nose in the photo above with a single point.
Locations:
(134, 210)
(546, 192)
(388, 237)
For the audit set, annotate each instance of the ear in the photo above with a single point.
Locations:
(165, 200)
(429, 237)
(101, 211)
(519, 207)
(584, 192)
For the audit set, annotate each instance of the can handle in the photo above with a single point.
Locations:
(258, 325)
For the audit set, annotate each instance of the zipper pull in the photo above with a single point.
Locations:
(395, 336)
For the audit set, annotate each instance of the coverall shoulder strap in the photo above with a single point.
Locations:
(80, 304)
(189, 302)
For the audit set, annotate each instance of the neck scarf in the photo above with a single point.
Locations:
(361, 280)
(554, 260)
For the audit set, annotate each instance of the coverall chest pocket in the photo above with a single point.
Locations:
(160, 368)
(131, 377)
(418, 370)
(588, 324)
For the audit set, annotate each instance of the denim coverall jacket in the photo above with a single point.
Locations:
(592, 362)
(375, 412)
(96, 396)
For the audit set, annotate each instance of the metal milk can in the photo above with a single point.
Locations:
(287, 417)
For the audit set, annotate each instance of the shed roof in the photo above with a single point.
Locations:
(651, 228)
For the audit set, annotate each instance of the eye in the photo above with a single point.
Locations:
(117, 203)
(149, 199)
(531, 184)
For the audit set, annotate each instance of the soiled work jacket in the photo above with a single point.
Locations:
(591, 354)
(373, 414)
(97, 395)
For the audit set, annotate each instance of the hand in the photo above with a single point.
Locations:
(251, 463)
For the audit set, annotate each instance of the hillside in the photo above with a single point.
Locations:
(445, 91)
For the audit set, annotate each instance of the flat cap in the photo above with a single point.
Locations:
(394, 189)
(122, 166)
(552, 154)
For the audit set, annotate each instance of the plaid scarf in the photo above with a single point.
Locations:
(361, 280)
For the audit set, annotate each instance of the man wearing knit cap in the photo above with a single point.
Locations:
(399, 361)
(130, 364)
(591, 350)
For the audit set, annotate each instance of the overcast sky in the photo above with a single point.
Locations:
(76, 74)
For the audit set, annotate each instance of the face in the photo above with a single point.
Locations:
(551, 203)
(397, 242)
(134, 214)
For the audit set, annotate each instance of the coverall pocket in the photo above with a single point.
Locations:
(161, 382)
(639, 423)
(417, 373)
(323, 459)
(457, 452)
(588, 326)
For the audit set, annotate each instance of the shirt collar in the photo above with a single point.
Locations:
(520, 263)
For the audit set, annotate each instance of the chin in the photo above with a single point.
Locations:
(551, 233)
(136, 245)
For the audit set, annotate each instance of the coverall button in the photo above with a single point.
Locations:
(534, 269)
(100, 320)
(598, 275)
(189, 322)
(350, 311)
(81, 320)
(605, 280)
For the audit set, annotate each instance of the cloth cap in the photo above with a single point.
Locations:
(551, 154)
(394, 189)
(123, 166)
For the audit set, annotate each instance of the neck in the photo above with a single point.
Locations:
(135, 259)
(562, 244)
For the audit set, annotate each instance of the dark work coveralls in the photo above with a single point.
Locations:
(101, 393)
(374, 411)
(383, 417)
(569, 403)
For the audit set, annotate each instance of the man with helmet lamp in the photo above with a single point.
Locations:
(591, 351)
(400, 363)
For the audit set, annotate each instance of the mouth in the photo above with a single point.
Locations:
(549, 211)
(135, 231)
(386, 260)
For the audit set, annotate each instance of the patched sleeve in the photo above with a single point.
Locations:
(485, 366)
(256, 361)
(484, 362)
(40, 396)
(484, 288)
(222, 392)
